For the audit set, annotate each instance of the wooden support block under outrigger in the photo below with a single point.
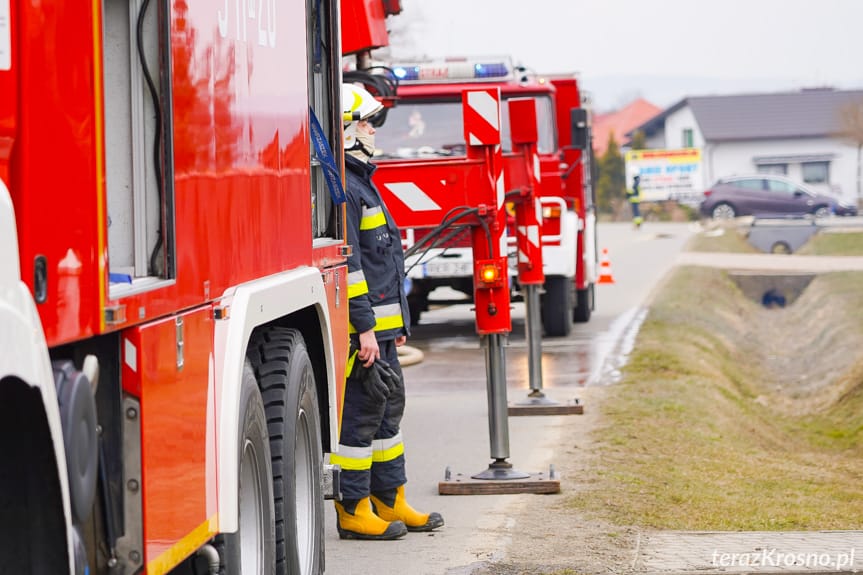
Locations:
(574, 407)
(460, 484)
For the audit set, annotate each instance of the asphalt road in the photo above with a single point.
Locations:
(446, 421)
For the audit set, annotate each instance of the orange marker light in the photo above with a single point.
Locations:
(489, 274)
(551, 212)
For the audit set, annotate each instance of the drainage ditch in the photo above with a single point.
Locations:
(772, 290)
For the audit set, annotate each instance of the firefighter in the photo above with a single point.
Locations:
(371, 452)
(634, 197)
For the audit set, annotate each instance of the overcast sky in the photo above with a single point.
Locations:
(659, 49)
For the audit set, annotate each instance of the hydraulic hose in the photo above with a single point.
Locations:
(157, 138)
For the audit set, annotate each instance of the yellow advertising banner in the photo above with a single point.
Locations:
(666, 174)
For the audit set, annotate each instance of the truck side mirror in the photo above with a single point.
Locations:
(578, 125)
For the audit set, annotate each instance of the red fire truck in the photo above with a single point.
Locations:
(427, 123)
(173, 302)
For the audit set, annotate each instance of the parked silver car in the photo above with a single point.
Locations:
(768, 195)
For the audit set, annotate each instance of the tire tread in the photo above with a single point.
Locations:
(271, 353)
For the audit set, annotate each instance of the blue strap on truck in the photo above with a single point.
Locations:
(325, 155)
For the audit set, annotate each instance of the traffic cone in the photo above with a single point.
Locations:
(605, 276)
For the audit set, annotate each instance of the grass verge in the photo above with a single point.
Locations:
(834, 244)
(725, 239)
(729, 239)
(692, 437)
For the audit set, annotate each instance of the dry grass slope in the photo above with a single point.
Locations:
(731, 416)
(834, 244)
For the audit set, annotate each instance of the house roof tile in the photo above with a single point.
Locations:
(803, 114)
(620, 123)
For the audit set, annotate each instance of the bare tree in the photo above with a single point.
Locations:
(851, 128)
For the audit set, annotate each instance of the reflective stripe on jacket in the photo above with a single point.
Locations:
(376, 267)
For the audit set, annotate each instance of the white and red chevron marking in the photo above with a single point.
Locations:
(482, 117)
(498, 174)
(533, 235)
(413, 196)
(536, 168)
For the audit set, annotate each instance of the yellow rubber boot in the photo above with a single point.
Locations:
(364, 524)
(393, 506)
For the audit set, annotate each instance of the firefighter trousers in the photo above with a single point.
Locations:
(371, 451)
(636, 213)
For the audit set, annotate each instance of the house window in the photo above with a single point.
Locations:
(780, 169)
(688, 140)
(816, 172)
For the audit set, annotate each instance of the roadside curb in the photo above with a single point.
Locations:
(771, 262)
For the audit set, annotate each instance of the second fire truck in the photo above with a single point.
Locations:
(427, 123)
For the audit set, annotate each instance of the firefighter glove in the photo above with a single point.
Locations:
(387, 374)
(370, 379)
(374, 385)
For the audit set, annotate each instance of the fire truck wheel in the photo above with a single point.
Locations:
(287, 383)
(78, 417)
(556, 306)
(583, 305)
(252, 549)
(32, 522)
(417, 305)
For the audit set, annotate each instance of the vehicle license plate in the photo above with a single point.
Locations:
(438, 269)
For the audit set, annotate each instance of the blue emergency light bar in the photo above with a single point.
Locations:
(432, 72)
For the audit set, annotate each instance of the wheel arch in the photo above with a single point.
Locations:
(28, 405)
(293, 299)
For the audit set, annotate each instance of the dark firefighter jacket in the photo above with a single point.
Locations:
(376, 267)
(634, 195)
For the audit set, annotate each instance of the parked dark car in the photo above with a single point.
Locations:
(766, 195)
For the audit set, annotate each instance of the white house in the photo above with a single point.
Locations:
(790, 133)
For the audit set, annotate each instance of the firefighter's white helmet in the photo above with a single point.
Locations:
(357, 104)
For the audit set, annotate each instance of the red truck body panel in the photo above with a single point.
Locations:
(59, 192)
(177, 449)
(364, 26)
(241, 166)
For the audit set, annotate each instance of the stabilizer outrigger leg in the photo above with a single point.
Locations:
(491, 295)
